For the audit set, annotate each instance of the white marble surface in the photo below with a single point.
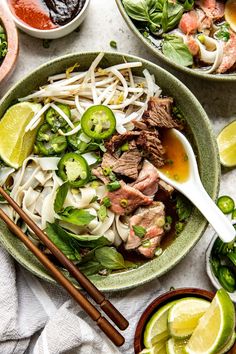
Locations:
(103, 24)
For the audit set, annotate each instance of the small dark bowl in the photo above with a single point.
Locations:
(9, 61)
(161, 301)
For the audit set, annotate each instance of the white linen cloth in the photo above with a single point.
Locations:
(40, 318)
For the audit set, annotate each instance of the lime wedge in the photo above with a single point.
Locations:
(229, 344)
(226, 141)
(176, 346)
(15, 143)
(184, 316)
(215, 328)
(156, 328)
(159, 348)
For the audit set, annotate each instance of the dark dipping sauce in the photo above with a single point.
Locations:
(46, 14)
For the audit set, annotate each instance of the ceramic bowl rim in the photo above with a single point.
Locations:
(163, 58)
(115, 286)
(12, 42)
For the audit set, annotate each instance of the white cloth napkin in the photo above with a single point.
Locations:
(40, 318)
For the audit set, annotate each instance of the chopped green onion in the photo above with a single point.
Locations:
(125, 147)
(102, 213)
(94, 199)
(113, 186)
(158, 251)
(179, 226)
(106, 171)
(113, 44)
(124, 203)
(107, 202)
(139, 230)
(146, 243)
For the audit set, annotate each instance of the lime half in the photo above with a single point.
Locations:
(16, 144)
(156, 329)
(184, 316)
(215, 328)
(226, 141)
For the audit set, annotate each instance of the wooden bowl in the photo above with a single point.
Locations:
(9, 61)
(161, 301)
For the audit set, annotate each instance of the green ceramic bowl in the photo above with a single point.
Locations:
(204, 144)
(163, 58)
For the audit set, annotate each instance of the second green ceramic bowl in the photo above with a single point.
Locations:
(197, 73)
(200, 134)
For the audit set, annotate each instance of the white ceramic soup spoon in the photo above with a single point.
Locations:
(193, 189)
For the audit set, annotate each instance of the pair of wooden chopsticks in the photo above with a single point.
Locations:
(84, 282)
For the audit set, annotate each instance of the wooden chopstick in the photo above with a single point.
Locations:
(85, 283)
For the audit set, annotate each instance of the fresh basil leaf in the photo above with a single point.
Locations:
(173, 47)
(131, 265)
(60, 238)
(60, 197)
(183, 207)
(175, 12)
(78, 217)
(164, 20)
(90, 241)
(139, 230)
(139, 10)
(90, 268)
(110, 258)
(187, 4)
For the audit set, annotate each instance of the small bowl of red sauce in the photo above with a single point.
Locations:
(46, 18)
(9, 43)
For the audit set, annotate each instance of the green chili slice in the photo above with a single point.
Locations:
(49, 144)
(226, 204)
(227, 278)
(54, 119)
(113, 186)
(75, 142)
(74, 168)
(98, 122)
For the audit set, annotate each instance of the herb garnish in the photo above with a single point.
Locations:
(139, 230)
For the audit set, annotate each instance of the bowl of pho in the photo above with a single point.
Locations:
(82, 163)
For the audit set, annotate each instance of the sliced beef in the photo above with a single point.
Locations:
(139, 124)
(133, 197)
(128, 164)
(97, 172)
(148, 179)
(149, 251)
(213, 9)
(165, 187)
(158, 114)
(204, 22)
(192, 45)
(119, 139)
(152, 219)
(151, 146)
(229, 56)
(189, 22)
(108, 160)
